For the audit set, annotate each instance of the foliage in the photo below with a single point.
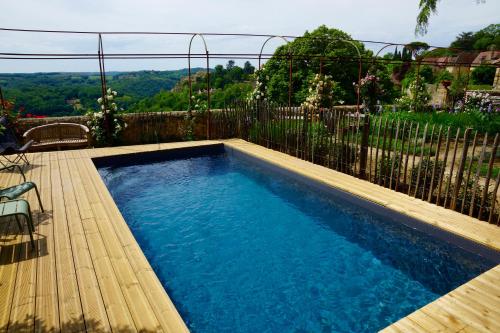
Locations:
(443, 75)
(465, 193)
(427, 8)
(426, 74)
(458, 85)
(370, 91)
(323, 92)
(417, 97)
(417, 48)
(464, 40)
(478, 101)
(484, 39)
(259, 93)
(483, 74)
(454, 120)
(7, 110)
(227, 85)
(426, 167)
(385, 166)
(488, 38)
(63, 94)
(106, 124)
(326, 42)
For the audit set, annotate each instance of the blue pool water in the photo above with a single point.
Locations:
(242, 249)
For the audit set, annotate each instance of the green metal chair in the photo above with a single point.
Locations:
(16, 208)
(13, 192)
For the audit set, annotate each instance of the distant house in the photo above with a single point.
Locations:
(465, 62)
(486, 57)
(460, 63)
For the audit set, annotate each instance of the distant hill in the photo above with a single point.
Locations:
(66, 93)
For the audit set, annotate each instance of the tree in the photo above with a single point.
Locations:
(465, 41)
(230, 65)
(416, 49)
(488, 38)
(427, 8)
(248, 68)
(340, 61)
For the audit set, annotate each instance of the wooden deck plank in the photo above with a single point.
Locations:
(162, 305)
(94, 312)
(47, 305)
(114, 300)
(9, 254)
(23, 310)
(71, 312)
(8, 272)
(137, 302)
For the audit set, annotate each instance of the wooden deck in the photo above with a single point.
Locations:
(89, 274)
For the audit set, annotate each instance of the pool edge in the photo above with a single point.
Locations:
(245, 147)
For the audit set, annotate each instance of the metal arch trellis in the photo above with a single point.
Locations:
(2, 100)
(208, 79)
(290, 64)
(259, 57)
(360, 64)
(102, 75)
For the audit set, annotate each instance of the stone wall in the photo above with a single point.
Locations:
(141, 127)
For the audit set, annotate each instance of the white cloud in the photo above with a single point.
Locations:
(383, 20)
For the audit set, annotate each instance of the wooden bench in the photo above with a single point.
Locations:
(57, 135)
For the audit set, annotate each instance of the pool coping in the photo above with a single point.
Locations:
(481, 235)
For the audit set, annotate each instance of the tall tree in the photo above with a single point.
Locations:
(465, 41)
(427, 8)
(340, 61)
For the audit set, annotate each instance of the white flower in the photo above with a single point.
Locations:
(110, 97)
(109, 91)
(114, 93)
(99, 100)
(102, 107)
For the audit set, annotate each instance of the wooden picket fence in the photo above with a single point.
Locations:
(455, 168)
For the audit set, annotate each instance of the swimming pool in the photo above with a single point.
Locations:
(242, 247)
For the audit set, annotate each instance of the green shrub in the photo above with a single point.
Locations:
(426, 167)
(483, 74)
(384, 168)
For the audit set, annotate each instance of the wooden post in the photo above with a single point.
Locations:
(488, 177)
(460, 171)
(363, 154)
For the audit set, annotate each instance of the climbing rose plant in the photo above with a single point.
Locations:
(417, 97)
(259, 92)
(321, 92)
(106, 125)
(370, 91)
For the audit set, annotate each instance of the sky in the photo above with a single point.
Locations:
(381, 20)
